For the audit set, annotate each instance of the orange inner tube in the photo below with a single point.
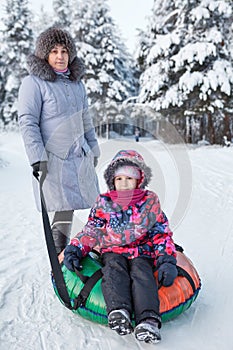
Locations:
(181, 290)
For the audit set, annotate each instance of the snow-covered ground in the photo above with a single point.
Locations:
(196, 190)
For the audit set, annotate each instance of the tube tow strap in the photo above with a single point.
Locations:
(89, 283)
(55, 265)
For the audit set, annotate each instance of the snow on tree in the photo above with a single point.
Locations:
(17, 39)
(110, 69)
(41, 21)
(62, 13)
(187, 65)
(2, 79)
(109, 77)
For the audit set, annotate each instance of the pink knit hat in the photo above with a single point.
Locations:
(128, 170)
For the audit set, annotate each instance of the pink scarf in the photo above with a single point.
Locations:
(127, 197)
(60, 70)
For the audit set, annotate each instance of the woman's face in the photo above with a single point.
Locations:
(58, 57)
(122, 183)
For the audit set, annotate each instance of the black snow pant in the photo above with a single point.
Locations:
(130, 284)
(61, 229)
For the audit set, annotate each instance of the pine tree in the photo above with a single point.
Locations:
(187, 66)
(41, 21)
(62, 12)
(2, 78)
(17, 39)
(109, 66)
(109, 77)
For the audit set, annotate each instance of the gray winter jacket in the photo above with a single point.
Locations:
(56, 126)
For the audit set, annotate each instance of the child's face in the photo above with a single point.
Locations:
(122, 183)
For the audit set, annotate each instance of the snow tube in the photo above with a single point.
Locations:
(174, 300)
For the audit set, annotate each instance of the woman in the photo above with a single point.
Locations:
(58, 131)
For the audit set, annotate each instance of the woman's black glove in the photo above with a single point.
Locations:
(72, 257)
(40, 167)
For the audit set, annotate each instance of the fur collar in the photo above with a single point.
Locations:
(40, 68)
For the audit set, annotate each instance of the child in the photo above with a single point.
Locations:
(133, 236)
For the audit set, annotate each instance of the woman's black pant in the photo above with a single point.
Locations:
(130, 284)
(61, 229)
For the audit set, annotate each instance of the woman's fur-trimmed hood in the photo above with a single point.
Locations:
(38, 62)
(127, 157)
(41, 68)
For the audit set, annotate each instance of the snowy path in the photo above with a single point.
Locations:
(32, 318)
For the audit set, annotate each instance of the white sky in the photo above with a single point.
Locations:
(128, 15)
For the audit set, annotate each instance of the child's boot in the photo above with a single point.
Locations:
(119, 321)
(148, 331)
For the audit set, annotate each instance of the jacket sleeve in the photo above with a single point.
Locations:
(89, 130)
(29, 113)
(91, 234)
(160, 234)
